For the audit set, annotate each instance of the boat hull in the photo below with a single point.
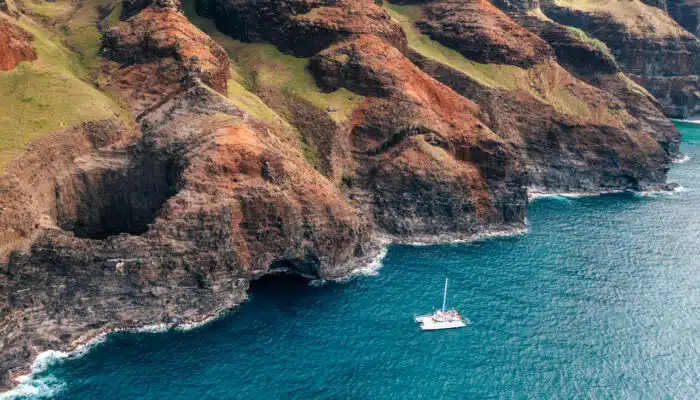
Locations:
(434, 326)
(427, 323)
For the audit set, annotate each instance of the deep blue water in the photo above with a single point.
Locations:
(601, 299)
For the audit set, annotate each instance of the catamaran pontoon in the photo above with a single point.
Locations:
(442, 319)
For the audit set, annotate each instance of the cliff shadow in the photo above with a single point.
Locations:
(115, 193)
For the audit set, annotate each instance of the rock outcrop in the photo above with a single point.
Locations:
(159, 53)
(481, 33)
(548, 114)
(593, 63)
(15, 45)
(428, 163)
(647, 44)
(302, 27)
(686, 13)
(104, 232)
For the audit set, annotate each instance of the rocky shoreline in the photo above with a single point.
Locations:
(371, 265)
(354, 126)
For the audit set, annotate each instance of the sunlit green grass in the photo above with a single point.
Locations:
(263, 65)
(46, 95)
(547, 82)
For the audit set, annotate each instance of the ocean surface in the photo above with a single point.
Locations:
(599, 299)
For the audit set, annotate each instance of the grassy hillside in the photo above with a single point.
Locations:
(547, 82)
(634, 14)
(490, 75)
(261, 65)
(46, 95)
(595, 43)
(76, 23)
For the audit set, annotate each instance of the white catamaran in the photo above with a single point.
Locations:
(442, 319)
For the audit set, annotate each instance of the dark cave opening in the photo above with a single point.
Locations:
(299, 268)
(108, 196)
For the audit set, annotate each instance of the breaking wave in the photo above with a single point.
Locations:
(40, 387)
(655, 193)
(370, 269)
(681, 159)
(568, 195)
(687, 121)
(35, 388)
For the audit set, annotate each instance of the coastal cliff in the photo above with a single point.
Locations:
(212, 142)
(648, 44)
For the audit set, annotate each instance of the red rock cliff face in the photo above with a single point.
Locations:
(429, 164)
(481, 33)
(160, 52)
(539, 122)
(648, 45)
(424, 164)
(15, 46)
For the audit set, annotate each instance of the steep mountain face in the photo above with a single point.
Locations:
(647, 44)
(564, 114)
(291, 135)
(478, 31)
(686, 13)
(591, 61)
(169, 226)
(421, 162)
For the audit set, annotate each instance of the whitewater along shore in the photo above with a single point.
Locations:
(214, 155)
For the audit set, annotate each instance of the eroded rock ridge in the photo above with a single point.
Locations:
(253, 137)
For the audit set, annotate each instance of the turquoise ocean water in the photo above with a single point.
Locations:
(600, 299)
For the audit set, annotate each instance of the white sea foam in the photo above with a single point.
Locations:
(194, 325)
(534, 194)
(556, 196)
(681, 159)
(155, 328)
(31, 385)
(687, 121)
(36, 388)
(655, 193)
(369, 268)
(429, 240)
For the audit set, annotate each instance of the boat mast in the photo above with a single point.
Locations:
(444, 296)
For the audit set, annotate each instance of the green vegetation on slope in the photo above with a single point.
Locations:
(252, 104)
(547, 83)
(261, 65)
(47, 9)
(595, 43)
(76, 23)
(495, 76)
(46, 95)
